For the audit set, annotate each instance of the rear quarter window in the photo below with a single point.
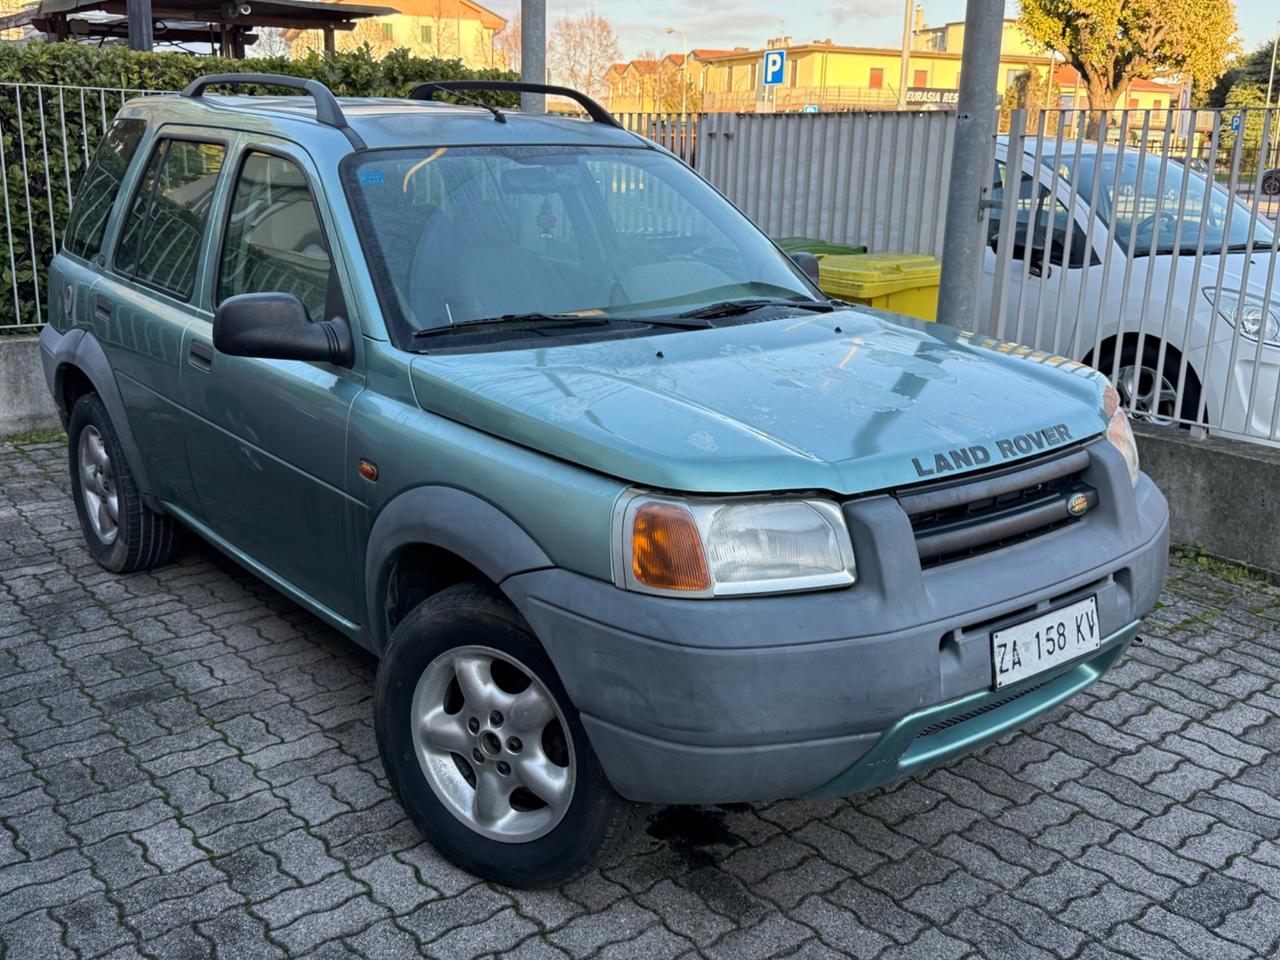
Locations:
(160, 242)
(101, 183)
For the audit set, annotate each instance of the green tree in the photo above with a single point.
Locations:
(1032, 91)
(1113, 42)
(1252, 68)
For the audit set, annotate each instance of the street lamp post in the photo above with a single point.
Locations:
(907, 18)
(684, 71)
(1271, 79)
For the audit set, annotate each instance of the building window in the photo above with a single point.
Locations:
(920, 78)
(876, 81)
(1133, 103)
(388, 32)
(425, 33)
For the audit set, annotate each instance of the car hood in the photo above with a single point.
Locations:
(847, 402)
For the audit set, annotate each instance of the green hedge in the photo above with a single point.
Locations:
(55, 126)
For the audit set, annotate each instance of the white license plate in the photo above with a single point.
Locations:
(1043, 642)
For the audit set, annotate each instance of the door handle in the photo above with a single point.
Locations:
(201, 355)
(101, 307)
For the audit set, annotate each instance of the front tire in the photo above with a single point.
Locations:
(1149, 388)
(121, 532)
(483, 747)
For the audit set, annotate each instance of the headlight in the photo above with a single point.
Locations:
(1119, 432)
(1251, 315)
(706, 548)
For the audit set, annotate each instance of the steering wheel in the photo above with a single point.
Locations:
(1145, 231)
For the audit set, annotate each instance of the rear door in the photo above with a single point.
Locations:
(149, 293)
(267, 438)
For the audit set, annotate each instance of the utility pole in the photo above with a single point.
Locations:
(1271, 79)
(906, 54)
(533, 52)
(965, 233)
(684, 72)
(139, 20)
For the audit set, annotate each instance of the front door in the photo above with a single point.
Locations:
(266, 439)
(1040, 286)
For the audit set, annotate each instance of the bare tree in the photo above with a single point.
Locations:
(507, 42)
(580, 50)
(272, 42)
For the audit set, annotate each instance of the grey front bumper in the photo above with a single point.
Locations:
(709, 701)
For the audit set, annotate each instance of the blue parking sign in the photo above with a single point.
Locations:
(775, 62)
(1235, 121)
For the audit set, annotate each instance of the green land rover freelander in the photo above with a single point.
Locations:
(628, 509)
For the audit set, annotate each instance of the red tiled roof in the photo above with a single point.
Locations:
(1066, 76)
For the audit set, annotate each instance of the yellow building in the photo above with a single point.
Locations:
(451, 29)
(660, 86)
(831, 76)
(949, 38)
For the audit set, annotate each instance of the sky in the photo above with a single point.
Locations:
(641, 24)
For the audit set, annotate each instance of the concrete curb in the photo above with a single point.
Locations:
(25, 403)
(1223, 494)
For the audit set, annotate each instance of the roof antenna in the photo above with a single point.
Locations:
(497, 114)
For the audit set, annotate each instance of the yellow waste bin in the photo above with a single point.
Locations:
(899, 282)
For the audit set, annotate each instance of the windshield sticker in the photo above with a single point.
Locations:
(371, 177)
(1008, 448)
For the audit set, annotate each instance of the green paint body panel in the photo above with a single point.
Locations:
(785, 404)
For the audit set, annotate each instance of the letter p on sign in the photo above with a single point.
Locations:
(775, 62)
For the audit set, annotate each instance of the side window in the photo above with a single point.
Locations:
(160, 243)
(1037, 218)
(274, 241)
(99, 186)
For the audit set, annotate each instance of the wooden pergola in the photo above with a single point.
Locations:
(228, 26)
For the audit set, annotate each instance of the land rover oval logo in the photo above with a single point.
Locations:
(1078, 505)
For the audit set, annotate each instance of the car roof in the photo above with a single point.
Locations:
(378, 121)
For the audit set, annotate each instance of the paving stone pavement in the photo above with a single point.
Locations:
(188, 769)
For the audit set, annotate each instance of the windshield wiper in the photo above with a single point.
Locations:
(734, 308)
(592, 319)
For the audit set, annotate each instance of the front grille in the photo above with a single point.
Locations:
(962, 518)
(939, 725)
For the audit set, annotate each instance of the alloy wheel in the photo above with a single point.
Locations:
(493, 744)
(98, 485)
(1149, 395)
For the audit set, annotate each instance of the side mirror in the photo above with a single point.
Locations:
(276, 326)
(808, 263)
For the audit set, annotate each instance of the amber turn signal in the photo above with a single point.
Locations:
(666, 551)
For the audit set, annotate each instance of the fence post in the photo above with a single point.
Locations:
(964, 236)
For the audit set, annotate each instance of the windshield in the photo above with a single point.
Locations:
(459, 234)
(1146, 211)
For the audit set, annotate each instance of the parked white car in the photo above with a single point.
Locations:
(1164, 282)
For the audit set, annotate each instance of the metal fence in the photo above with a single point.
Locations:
(48, 132)
(1147, 253)
(876, 179)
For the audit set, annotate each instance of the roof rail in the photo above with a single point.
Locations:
(328, 111)
(427, 91)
